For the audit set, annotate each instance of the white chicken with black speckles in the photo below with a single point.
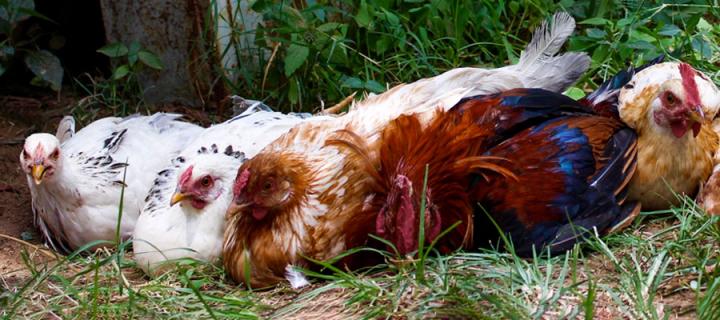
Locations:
(184, 214)
(75, 179)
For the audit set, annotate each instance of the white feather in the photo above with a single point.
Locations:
(79, 203)
(66, 129)
(168, 233)
(295, 277)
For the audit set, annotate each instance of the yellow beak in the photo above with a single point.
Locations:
(177, 197)
(38, 171)
(697, 116)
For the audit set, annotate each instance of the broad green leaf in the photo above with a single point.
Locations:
(624, 22)
(327, 27)
(514, 6)
(295, 57)
(133, 51)
(597, 21)
(383, 44)
(703, 25)
(669, 30)
(17, 10)
(575, 93)
(638, 35)
(114, 50)
(28, 12)
(352, 82)
(363, 16)
(120, 72)
(391, 17)
(374, 86)
(596, 33)
(46, 66)
(150, 59)
(293, 91)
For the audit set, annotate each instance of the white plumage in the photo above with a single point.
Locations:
(193, 227)
(75, 184)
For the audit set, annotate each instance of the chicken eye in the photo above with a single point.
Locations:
(205, 182)
(670, 98)
(267, 186)
(54, 155)
(26, 155)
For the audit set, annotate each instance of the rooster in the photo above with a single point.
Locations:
(76, 179)
(296, 199)
(671, 107)
(542, 167)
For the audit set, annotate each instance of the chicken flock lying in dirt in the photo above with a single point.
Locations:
(452, 161)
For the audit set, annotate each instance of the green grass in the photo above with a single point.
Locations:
(663, 266)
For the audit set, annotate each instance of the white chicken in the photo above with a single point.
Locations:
(184, 214)
(76, 179)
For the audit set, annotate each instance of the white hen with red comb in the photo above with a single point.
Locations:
(75, 184)
(184, 214)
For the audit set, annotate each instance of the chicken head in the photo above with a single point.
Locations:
(40, 157)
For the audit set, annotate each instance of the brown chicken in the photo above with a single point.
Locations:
(543, 168)
(295, 200)
(671, 106)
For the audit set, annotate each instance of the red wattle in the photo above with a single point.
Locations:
(696, 129)
(678, 129)
(259, 213)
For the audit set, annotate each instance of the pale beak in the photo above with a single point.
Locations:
(697, 115)
(38, 171)
(177, 197)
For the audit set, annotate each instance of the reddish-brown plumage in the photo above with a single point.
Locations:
(536, 159)
(249, 240)
(407, 146)
(534, 179)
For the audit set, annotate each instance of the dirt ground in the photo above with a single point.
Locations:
(19, 117)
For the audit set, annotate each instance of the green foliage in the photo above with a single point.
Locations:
(17, 44)
(665, 265)
(328, 49)
(122, 89)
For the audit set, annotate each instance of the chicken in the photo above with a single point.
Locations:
(709, 196)
(184, 213)
(295, 200)
(541, 166)
(671, 106)
(76, 179)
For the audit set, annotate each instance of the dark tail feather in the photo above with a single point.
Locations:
(622, 159)
(604, 100)
(628, 212)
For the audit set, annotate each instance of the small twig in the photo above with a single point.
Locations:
(67, 296)
(267, 66)
(46, 252)
(12, 141)
(117, 267)
(339, 106)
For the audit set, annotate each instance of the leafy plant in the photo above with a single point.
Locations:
(123, 87)
(17, 44)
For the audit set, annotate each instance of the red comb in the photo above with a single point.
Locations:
(688, 81)
(185, 176)
(241, 181)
